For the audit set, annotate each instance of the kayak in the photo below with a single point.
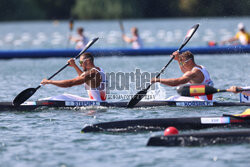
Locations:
(31, 105)
(202, 138)
(181, 123)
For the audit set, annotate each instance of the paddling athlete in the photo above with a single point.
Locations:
(235, 89)
(193, 73)
(135, 39)
(81, 40)
(242, 36)
(92, 77)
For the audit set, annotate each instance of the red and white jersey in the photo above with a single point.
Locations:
(99, 93)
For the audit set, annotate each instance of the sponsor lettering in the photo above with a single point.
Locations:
(215, 120)
(194, 103)
(82, 103)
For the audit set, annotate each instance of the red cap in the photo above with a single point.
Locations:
(170, 131)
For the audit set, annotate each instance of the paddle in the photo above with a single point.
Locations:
(71, 25)
(122, 30)
(136, 98)
(27, 93)
(121, 27)
(200, 90)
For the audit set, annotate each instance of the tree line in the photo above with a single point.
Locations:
(11, 10)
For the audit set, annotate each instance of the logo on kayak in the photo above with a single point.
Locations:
(194, 103)
(215, 120)
(82, 103)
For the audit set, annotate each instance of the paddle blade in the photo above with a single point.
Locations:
(189, 35)
(136, 98)
(23, 96)
(196, 90)
(90, 43)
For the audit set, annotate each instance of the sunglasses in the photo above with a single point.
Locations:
(182, 63)
(81, 62)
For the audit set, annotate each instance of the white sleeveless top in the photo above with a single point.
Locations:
(207, 81)
(82, 42)
(137, 43)
(98, 93)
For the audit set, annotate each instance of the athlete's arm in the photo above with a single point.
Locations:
(73, 64)
(64, 83)
(176, 81)
(127, 39)
(235, 38)
(71, 82)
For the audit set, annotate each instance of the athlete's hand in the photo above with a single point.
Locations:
(72, 62)
(45, 81)
(154, 80)
(176, 55)
(233, 89)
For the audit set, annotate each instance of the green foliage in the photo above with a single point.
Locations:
(103, 9)
(119, 9)
(56, 9)
(19, 10)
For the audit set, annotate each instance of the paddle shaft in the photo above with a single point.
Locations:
(71, 25)
(201, 90)
(136, 98)
(87, 46)
(185, 41)
(163, 69)
(237, 90)
(121, 27)
(227, 90)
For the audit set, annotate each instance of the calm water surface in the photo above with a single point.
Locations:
(154, 33)
(51, 137)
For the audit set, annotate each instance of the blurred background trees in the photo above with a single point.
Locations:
(119, 9)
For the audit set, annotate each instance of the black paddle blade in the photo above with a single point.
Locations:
(23, 96)
(136, 98)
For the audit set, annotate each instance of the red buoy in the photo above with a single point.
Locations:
(170, 131)
(212, 43)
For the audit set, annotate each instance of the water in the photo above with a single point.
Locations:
(154, 33)
(51, 137)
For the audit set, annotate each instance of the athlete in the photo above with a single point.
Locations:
(135, 39)
(193, 73)
(91, 76)
(242, 36)
(81, 40)
(235, 88)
